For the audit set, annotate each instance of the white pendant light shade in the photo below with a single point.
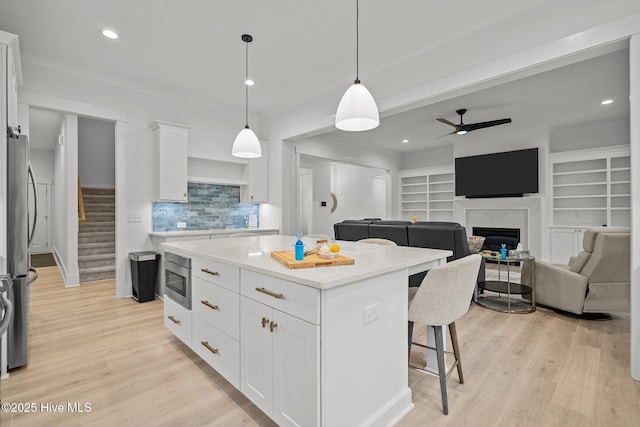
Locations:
(357, 110)
(246, 145)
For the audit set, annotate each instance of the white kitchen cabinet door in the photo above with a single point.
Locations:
(256, 354)
(296, 371)
(257, 190)
(171, 166)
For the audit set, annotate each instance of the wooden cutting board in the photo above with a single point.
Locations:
(310, 261)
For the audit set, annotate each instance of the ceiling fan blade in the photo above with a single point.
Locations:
(482, 125)
(447, 122)
(447, 134)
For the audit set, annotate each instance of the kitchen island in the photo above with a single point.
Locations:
(311, 347)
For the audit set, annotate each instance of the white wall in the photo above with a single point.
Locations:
(437, 156)
(43, 164)
(321, 189)
(604, 133)
(65, 201)
(96, 153)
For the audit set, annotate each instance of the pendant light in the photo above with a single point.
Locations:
(246, 144)
(357, 110)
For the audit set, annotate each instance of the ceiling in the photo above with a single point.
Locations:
(304, 50)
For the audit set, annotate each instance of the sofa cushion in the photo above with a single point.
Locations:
(391, 230)
(588, 239)
(577, 262)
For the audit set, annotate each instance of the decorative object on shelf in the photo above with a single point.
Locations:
(357, 110)
(246, 144)
(503, 251)
(475, 243)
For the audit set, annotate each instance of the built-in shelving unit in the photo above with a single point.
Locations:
(427, 194)
(591, 188)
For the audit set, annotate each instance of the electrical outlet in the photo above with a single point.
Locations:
(181, 224)
(371, 313)
(135, 217)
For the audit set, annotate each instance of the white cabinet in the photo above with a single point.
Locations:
(280, 342)
(565, 243)
(171, 161)
(591, 188)
(427, 194)
(257, 172)
(178, 320)
(280, 366)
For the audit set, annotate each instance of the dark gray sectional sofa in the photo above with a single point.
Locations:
(428, 234)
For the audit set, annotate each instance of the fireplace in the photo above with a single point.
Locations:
(496, 237)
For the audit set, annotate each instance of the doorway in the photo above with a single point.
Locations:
(41, 240)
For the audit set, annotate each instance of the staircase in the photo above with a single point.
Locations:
(97, 236)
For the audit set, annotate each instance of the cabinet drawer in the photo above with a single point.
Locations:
(219, 273)
(292, 298)
(217, 305)
(178, 320)
(218, 349)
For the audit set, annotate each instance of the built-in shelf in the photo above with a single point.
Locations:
(435, 202)
(220, 181)
(576, 202)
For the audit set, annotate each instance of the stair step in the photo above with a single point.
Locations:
(97, 273)
(100, 217)
(93, 227)
(99, 198)
(98, 191)
(97, 237)
(96, 248)
(99, 208)
(101, 260)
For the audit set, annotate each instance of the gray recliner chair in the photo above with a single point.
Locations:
(597, 280)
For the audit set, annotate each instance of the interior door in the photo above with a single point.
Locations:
(40, 242)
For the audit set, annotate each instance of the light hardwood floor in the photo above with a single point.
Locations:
(539, 369)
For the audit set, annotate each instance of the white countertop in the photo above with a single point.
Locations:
(208, 232)
(254, 253)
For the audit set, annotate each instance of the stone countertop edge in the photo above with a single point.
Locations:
(207, 232)
(272, 267)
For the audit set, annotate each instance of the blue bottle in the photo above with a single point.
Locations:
(299, 248)
(503, 251)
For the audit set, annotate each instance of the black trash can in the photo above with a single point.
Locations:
(144, 270)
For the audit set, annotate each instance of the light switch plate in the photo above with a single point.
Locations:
(181, 224)
(371, 313)
(135, 217)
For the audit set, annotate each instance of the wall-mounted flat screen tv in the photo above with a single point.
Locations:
(507, 174)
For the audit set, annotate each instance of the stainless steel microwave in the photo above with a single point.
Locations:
(177, 273)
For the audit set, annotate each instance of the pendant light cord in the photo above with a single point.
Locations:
(357, 41)
(246, 86)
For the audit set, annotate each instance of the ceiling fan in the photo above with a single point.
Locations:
(462, 128)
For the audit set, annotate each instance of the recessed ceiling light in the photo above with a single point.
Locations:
(404, 141)
(607, 102)
(249, 82)
(110, 34)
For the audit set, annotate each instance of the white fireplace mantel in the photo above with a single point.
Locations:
(504, 212)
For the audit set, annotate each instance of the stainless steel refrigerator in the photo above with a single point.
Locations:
(19, 237)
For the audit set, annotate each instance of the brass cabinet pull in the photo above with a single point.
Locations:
(173, 319)
(213, 273)
(208, 304)
(273, 326)
(272, 294)
(208, 347)
(264, 322)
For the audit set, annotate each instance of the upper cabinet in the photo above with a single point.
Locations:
(257, 172)
(171, 161)
(591, 188)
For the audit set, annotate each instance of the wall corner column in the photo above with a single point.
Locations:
(634, 114)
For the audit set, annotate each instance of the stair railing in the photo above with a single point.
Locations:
(81, 214)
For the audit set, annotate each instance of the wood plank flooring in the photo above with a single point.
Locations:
(539, 369)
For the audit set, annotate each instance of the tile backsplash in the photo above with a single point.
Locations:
(210, 206)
